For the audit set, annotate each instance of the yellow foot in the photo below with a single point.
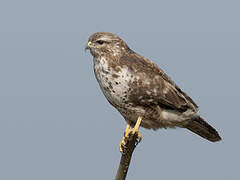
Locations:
(128, 131)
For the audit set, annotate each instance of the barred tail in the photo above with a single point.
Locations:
(203, 129)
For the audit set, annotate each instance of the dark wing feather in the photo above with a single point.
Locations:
(153, 86)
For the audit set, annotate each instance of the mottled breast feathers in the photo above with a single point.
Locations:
(152, 86)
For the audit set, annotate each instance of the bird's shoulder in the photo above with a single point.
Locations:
(153, 85)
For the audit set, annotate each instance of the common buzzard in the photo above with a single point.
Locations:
(141, 91)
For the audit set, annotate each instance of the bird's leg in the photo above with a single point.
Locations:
(133, 131)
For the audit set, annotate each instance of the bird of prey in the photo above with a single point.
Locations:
(143, 94)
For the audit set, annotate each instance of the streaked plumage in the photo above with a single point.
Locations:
(136, 86)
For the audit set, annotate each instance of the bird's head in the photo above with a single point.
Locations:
(102, 43)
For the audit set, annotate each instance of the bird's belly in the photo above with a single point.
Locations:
(114, 84)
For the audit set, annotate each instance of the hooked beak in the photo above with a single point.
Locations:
(88, 46)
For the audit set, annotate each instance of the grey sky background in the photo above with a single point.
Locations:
(56, 124)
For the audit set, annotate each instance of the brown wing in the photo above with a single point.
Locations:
(152, 86)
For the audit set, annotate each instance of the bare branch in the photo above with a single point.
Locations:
(128, 149)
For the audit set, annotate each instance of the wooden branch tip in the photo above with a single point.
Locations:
(131, 142)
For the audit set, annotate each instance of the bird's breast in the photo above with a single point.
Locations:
(113, 80)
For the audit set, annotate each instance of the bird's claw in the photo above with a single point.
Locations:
(132, 131)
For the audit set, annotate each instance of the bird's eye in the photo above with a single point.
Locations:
(100, 42)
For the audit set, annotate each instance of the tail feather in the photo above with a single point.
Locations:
(203, 129)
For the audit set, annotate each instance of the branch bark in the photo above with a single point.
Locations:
(128, 149)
